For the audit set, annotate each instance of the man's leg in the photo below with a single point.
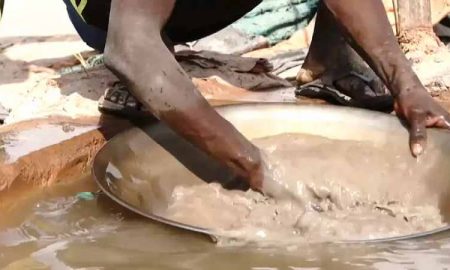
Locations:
(333, 62)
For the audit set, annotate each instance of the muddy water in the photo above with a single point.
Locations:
(349, 193)
(57, 230)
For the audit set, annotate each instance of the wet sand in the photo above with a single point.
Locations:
(342, 190)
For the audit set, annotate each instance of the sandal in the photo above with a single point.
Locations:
(318, 90)
(118, 101)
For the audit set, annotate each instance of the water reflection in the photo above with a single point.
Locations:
(15, 144)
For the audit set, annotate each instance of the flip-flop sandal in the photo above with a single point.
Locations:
(318, 90)
(118, 101)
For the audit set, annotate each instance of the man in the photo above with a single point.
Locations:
(138, 49)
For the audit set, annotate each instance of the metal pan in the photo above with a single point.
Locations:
(140, 167)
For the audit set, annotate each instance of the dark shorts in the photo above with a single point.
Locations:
(92, 35)
(190, 20)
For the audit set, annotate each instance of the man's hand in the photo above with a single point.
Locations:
(421, 111)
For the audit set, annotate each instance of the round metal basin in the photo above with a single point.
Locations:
(140, 168)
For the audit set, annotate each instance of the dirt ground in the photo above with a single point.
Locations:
(32, 49)
(37, 39)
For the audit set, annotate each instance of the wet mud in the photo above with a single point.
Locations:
(339, 190)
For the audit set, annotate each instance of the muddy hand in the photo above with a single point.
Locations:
(421, 111)
(268, 181)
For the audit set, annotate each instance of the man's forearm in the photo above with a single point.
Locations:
(209, 131)
(172, 97)
(142, 61)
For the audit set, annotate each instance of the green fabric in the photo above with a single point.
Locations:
(86, 196)
(278, 19)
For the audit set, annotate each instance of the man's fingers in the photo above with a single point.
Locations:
(417, 132)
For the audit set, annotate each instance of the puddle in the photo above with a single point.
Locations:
(14, 144)
(58, 230)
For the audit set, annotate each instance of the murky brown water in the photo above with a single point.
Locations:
(353, 192)
(55, 230)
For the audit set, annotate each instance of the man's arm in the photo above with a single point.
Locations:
(136, 53)
(367, 27)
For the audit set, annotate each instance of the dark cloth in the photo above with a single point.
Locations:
(190, 19)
